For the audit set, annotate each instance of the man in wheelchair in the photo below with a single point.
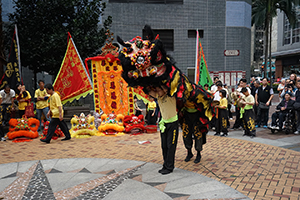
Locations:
(284, 110)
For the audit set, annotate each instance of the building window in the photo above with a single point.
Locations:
(148, 1)
(166, 36)
(291, 35)
(192, 33)
(191, 73)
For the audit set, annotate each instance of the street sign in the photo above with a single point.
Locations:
(231, 52)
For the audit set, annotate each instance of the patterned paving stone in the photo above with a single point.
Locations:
(103, 190)
(256, 170)
(181, 184)
(39, 187)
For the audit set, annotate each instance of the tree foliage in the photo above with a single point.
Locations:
(43, 26)
(263, 12)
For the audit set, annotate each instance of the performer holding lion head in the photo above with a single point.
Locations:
(146, 64)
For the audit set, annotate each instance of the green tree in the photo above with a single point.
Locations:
(263, 12)
(43, 26)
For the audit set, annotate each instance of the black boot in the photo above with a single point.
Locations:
(198, 157)
(189, 155)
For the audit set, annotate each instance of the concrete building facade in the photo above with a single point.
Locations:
(223, 25)
(288, 47)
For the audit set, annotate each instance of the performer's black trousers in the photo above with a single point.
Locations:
(151, 120)
(249, 122)
(1, 132)
(138, 113)
(191, 129)
(169, 140)
(5, 109)
(238, 121)
(52, 127)
(221, 121)
(21, 113)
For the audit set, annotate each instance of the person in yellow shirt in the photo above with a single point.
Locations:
(41, 98)
(151, 118)
(23, 98)
(247, 113)
(168, 126)
(57, 113)
(222, 115)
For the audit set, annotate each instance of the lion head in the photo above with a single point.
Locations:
(23, 127)
(144, 61)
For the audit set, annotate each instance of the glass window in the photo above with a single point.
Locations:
(192, 33)
(287, 31)
(191, 73)
(291, 35)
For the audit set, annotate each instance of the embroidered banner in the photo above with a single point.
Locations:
(11, 75)
(111, 92)
(140, 94)
(73, 80)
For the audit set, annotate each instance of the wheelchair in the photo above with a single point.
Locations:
(289, 123)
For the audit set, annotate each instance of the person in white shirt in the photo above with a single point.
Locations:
(238, 121)
(281, 87)
(219, 88)
(243, 83)
(8, 96)
(214, 87)
(217, 97)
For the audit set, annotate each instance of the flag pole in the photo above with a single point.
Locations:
(19, 53)
(196, 60)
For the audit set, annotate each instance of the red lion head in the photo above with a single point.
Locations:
(134, 124)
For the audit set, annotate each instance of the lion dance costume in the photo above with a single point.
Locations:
(146, 64)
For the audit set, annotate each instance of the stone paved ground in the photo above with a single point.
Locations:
(257, 170)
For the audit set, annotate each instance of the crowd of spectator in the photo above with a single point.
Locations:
(251, 105)
(14, 102)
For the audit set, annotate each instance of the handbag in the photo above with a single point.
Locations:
(262, 105)
(29, 110)
(296, 105)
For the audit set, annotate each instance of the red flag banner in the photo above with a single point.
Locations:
(73, 80)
